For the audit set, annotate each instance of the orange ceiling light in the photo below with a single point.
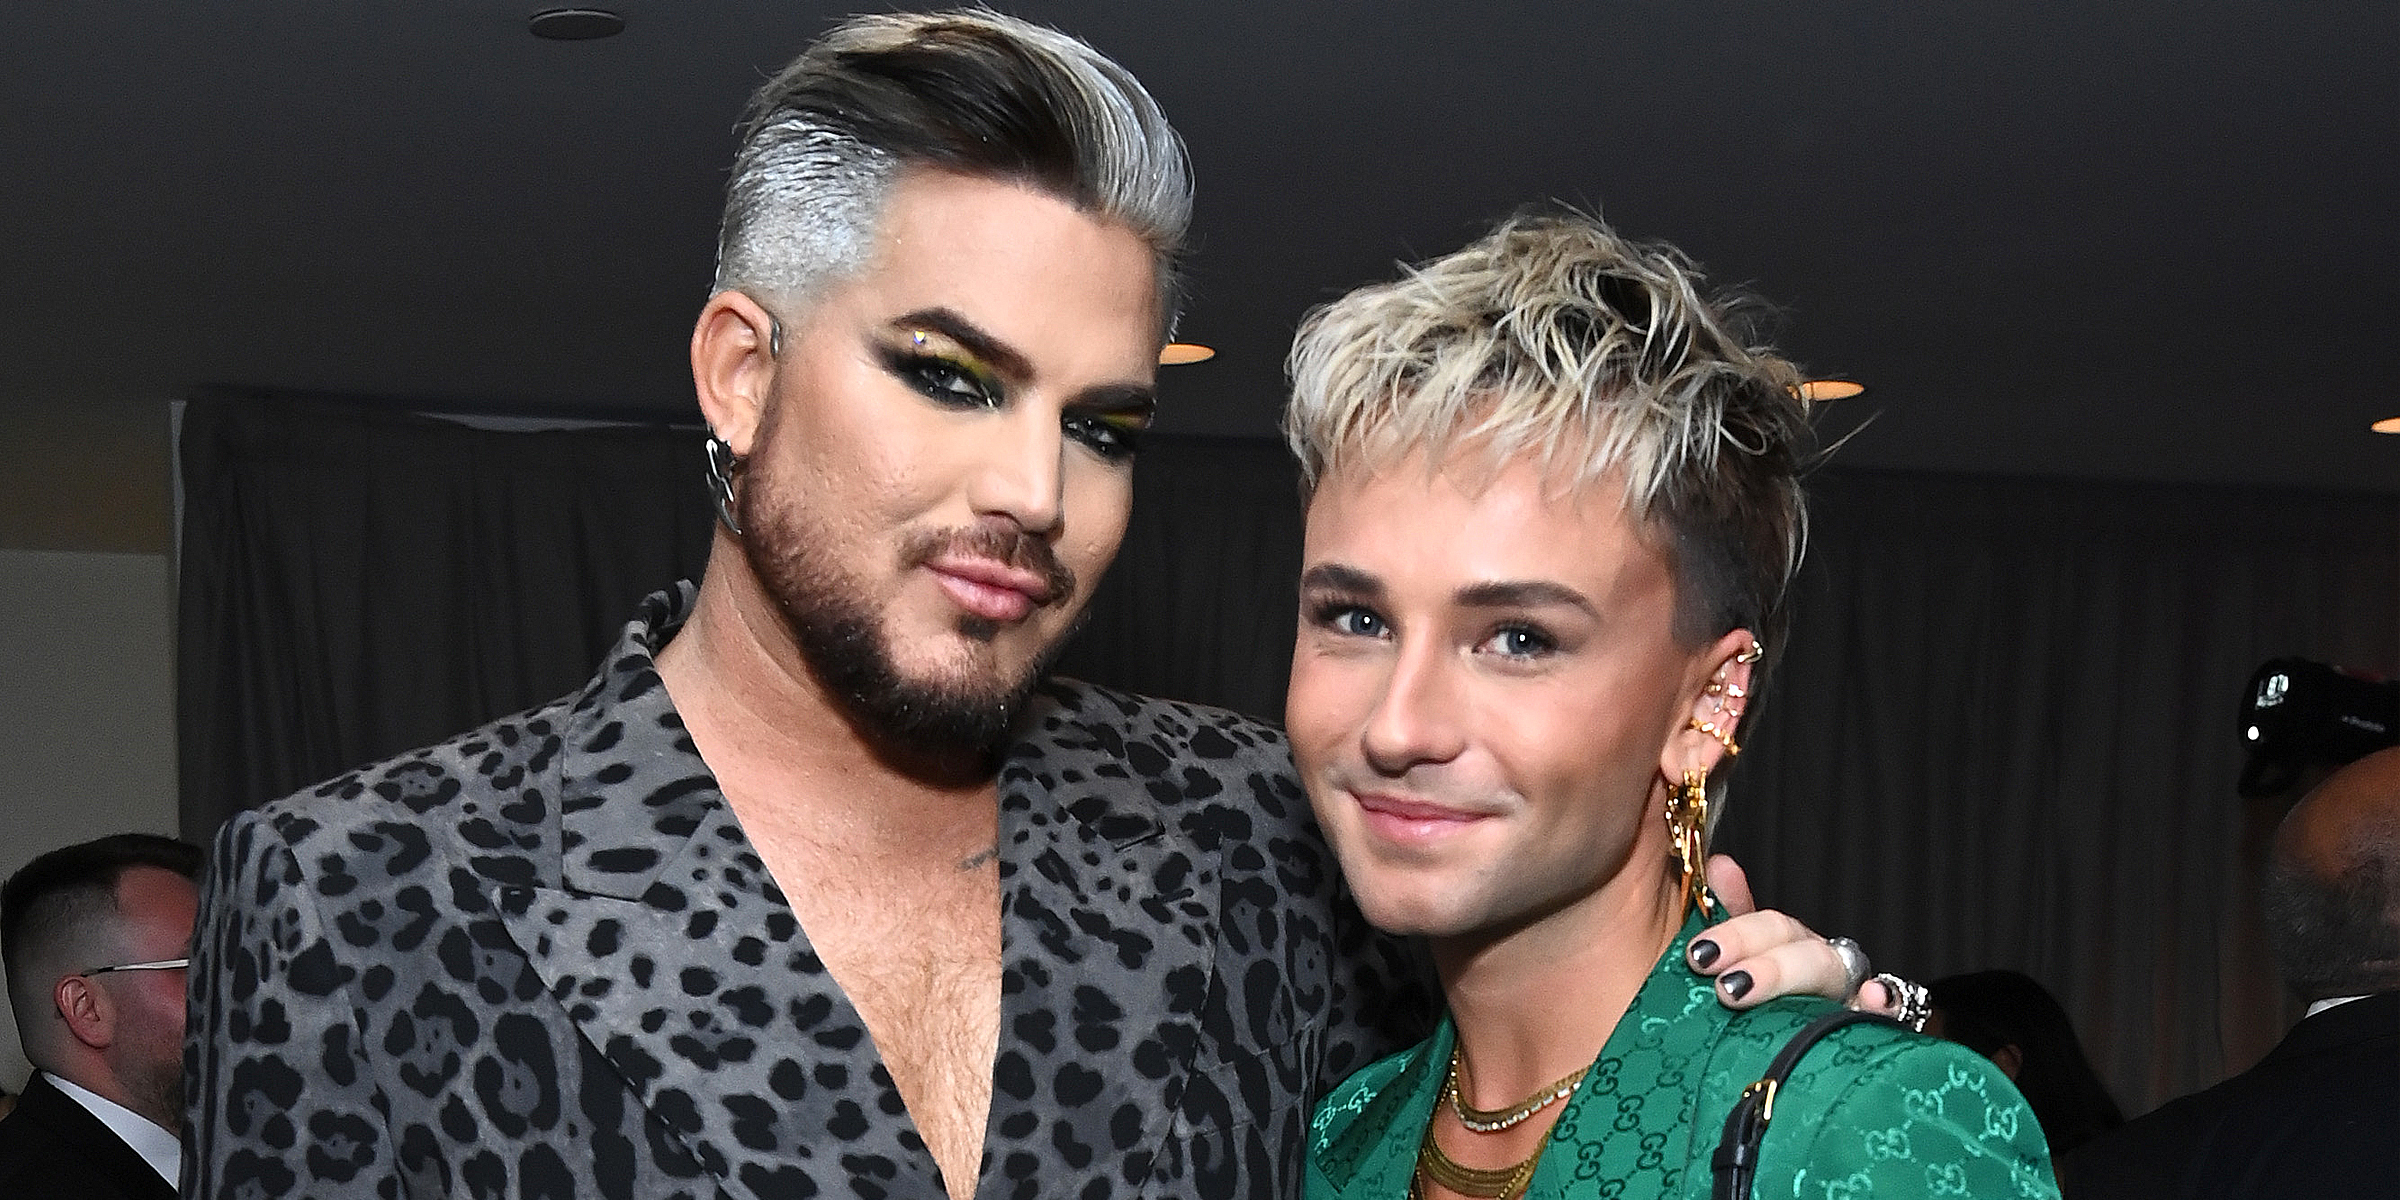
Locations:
(1178, 353)
(2386, 425)
(1817, 391)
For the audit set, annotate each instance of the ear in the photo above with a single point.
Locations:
(87, 1011)
(733, 366)
(1716, 691)
(2010, 1060)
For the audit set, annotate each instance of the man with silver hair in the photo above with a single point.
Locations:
(822, 886)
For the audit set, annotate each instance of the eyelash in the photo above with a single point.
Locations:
(1102, 436)
(1542, 645)
(1329, 614)
(935, 377)
(1334, 614)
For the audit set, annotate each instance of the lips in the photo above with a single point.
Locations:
(1407, 819)
(989, 588)
(994, 573)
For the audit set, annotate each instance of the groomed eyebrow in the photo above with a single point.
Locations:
(1528, 593)
(1115, 398)
(1003, 358)
(1334, 577)
(979, 342)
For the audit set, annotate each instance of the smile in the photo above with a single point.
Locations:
(1401, 819)
(992, 590)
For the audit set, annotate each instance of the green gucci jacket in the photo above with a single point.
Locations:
(1871, 1112)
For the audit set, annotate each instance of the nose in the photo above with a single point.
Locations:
(1418, 720)
(1019, 472)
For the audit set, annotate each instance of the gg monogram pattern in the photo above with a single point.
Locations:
(1871, 1111)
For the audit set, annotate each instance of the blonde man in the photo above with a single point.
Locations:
(1554, 509)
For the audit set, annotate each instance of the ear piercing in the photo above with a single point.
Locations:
(1718, 691)
(1723, 735)
(723, 465)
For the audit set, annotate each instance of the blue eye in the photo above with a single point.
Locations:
(1353, 621)
(1521, 641)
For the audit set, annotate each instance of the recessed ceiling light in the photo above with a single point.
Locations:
(2386, 425)
(1817, 391)
(1178, 353)
(575, 24)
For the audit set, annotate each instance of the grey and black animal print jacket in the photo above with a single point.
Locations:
(542, 960)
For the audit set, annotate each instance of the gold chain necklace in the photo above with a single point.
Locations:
(1493, 1121)
(1496, 1183)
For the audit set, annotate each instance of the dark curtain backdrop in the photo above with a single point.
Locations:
(2002, 733)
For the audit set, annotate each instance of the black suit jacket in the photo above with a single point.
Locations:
(52, 1146)
(2318, 1118)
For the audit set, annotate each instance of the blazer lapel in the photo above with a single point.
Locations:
(1109, 939)
(671, 950)
(1374, 1154)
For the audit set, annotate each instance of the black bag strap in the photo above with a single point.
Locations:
(1735, 1163)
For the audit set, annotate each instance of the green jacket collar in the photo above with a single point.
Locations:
(1367, 1133)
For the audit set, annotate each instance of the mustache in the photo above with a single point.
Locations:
(1005, 544)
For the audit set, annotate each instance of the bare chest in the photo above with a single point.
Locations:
(918, 955)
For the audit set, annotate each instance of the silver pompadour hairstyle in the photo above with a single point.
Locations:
(969, 91)
(1555, 339)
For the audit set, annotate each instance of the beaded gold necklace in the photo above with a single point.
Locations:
(1479, 1120)
(1482, 1183)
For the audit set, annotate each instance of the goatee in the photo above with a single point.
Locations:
(842, 638)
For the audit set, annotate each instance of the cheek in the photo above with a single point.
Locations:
(1098, 501)
(1324, 704)
(1600, 761)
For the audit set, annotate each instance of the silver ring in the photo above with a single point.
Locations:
(1915, 1000)
(1855, 968)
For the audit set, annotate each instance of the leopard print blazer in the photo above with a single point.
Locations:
(542, 960)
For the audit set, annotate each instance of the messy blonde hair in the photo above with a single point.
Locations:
(1555, 339)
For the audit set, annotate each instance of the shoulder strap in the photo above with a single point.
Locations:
(1736, 1160)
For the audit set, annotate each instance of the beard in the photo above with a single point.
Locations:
(842, 638)
(156, 1088)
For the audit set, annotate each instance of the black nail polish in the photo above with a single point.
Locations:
(1736, 984)
(1704, 952)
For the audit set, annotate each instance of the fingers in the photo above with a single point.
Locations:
(1874, 997)
(1801, 966)
(1731, 884)
(1761, 955)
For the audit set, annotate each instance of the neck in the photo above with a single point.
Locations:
(95, 1077)
(1536, 1001)
(790, 757)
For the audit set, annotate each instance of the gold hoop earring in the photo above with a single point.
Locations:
(1687, 834)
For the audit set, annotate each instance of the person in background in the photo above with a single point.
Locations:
(95, 938)
(2319, 1116)
(2014, 1021)
(1553, 510)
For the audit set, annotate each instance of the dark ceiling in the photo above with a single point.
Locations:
(2132, 240)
